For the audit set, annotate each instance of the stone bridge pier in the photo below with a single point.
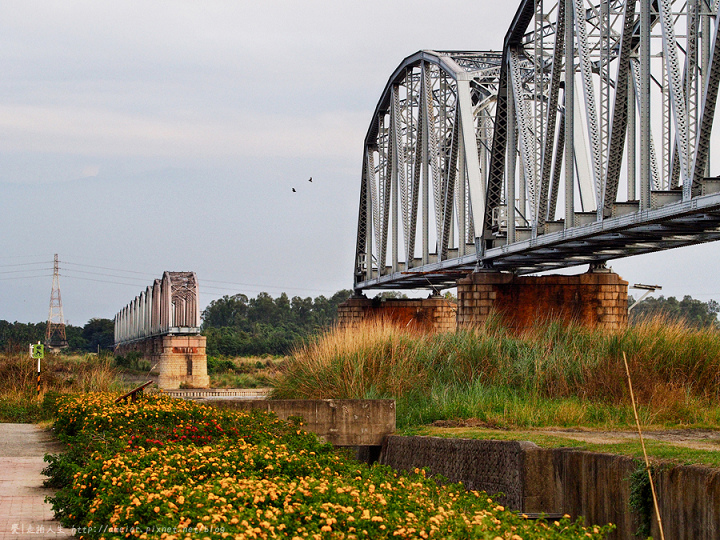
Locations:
(596, 299)
(163, 325)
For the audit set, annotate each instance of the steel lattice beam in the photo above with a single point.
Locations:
(472, 146)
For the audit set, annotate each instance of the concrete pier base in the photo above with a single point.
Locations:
(593, 299)
(177, 359)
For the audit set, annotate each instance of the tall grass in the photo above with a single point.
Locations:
(19, 400)
(553, 374)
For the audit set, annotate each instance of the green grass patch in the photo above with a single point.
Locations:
(244, 372)
(21, 408)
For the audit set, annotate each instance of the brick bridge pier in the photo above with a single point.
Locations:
(596, 298)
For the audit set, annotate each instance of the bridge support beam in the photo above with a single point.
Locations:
(594, 299)
(177, 359)
(434, 314)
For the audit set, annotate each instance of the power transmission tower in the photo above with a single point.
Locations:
(55, 334)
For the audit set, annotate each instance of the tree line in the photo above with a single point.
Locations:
(692, 312)
(234, 326)
(96, 334)
(242, 326)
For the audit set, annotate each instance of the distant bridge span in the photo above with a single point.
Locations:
(169, 306)
(512, 161)
(163, 324)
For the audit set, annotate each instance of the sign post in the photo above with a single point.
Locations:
(37, 351)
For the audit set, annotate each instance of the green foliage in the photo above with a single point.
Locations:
(159, 467)
(241, 326)
(641, 501)
(133, 360)
(99, 333)
(15, 337)
(688, 310)
(220, 365)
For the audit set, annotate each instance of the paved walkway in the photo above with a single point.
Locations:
(24, 514)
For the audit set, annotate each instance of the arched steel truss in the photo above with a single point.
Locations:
(170, 306)
(510, 160)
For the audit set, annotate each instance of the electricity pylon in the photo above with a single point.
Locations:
(55, 334)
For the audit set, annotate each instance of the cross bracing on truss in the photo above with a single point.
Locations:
(587, 138)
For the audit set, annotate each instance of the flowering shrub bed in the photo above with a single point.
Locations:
(169, 469)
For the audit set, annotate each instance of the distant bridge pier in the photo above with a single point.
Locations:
(163, 324)
(177, 360)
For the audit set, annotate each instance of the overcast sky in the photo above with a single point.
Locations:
(139, 137)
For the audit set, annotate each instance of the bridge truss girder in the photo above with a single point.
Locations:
(169, 306)
(508, 160)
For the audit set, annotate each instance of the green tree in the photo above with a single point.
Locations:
(17, 336)
(227, 311)
(236, 325)
(99, 333)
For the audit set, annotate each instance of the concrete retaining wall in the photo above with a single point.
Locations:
(342, 422)
(480, 465)
(567, 481)
(689, 503)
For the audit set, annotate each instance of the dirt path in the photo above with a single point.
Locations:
(698, 439)
(23, 510)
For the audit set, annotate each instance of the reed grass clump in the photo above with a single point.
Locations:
(552, 374)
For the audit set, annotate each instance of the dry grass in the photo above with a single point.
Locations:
(19, 401)
(553, 373)
(376, 358)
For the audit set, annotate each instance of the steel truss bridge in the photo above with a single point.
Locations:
(587, 138)
(169, 307)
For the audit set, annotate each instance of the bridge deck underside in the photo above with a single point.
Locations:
(675, 225)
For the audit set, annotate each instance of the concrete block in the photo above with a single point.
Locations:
(341, 422)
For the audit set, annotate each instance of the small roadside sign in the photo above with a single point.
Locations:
(37, 351)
